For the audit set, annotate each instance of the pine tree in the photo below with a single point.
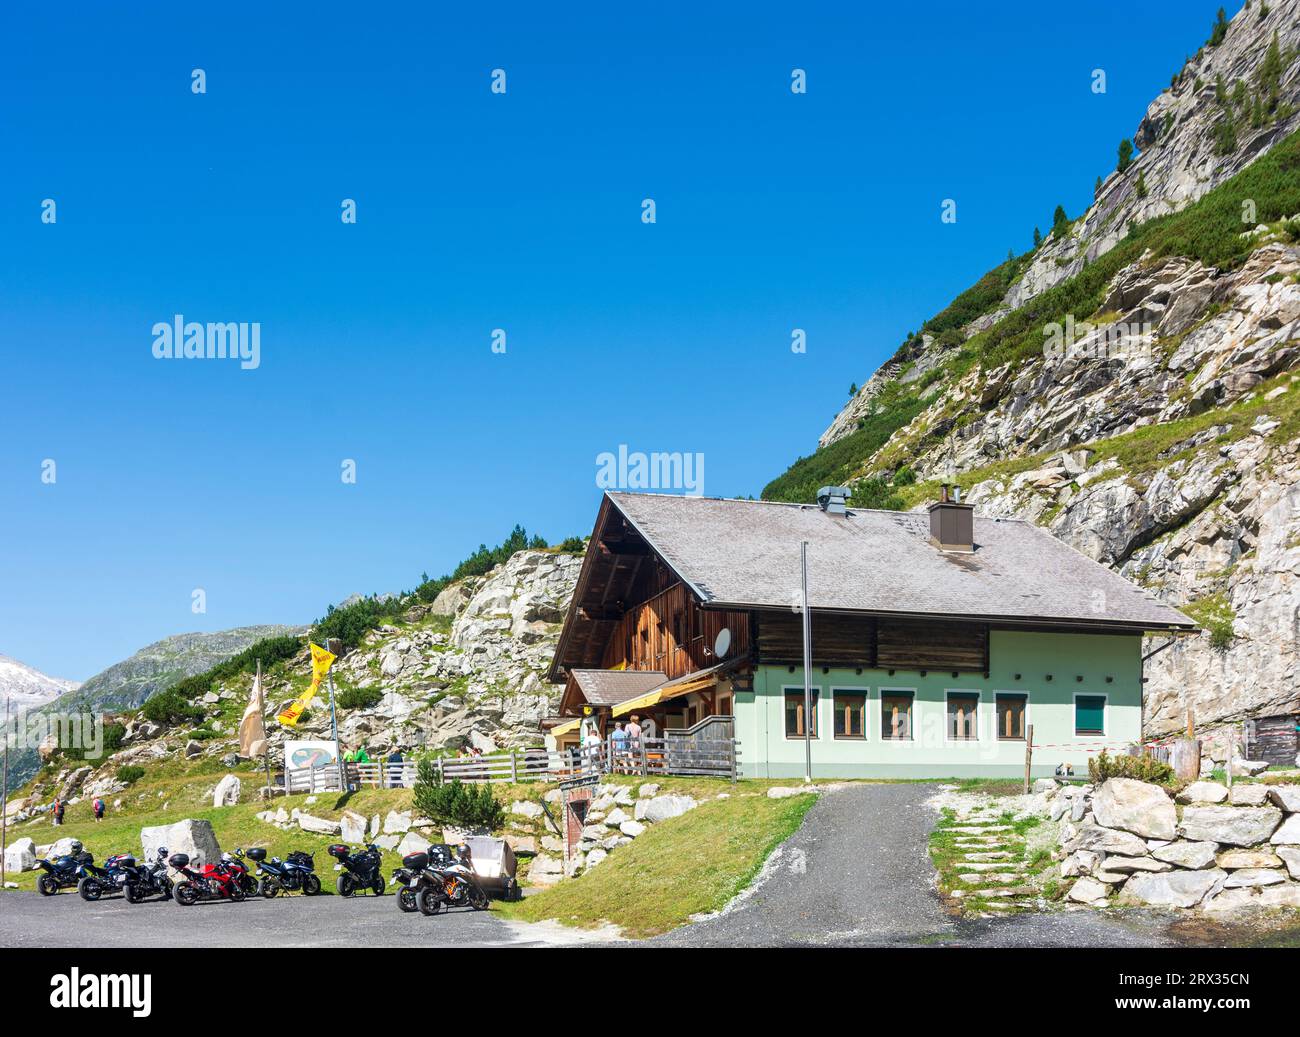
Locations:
(1125, 154)
(1142, 184)
(1038, 237)
(1220, 28)
(1060, 221)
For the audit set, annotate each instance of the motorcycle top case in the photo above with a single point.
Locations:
(179, 860)
(301, 859)
(416, 861)
(257, 853)
(339, 850)
(120, 860)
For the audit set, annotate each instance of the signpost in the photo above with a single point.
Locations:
(808, 718)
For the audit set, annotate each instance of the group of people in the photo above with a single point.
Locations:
(625, 740)
(58, 807)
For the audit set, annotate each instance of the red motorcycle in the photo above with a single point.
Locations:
(221, 881)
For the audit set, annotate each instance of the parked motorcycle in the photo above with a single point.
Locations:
(418, 888)
(148, 879)
(460, 882)
(359, 871)
(296, 872)
(236, 863)
(64, 872)
(211, 882)
(97, 881)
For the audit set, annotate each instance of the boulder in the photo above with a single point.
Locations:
(1231, 900)
(661, 808)
(58, 848)
(785, 791)
(319, 825)
(1135, 806)
(1249, 794)
(1235, 860)
(1233, 826)
(412, 842)
(1250, 767)
(1284, 895)
(522, 843)
(1290, 856)
(20, 855)
(193, 748)
(1088, 891)
(634, 828)
(1120, 865)
(1081, 862)
(1285, 796)
(595, 857)
(1187, 854)
(195, 838)
(648, 791)
(226, 794)
(396, 824)
(1289, 833)
(1106, 840)
(1046, 785)
(352, 827)
(1251, 877)
(1173, 888)
(386, 842)
(525, 808)
(545, 871)
(1207, 792)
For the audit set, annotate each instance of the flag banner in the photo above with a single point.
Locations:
(252, 728)
(321, 661)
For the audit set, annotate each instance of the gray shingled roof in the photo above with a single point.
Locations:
(610, 687)
(746, 554)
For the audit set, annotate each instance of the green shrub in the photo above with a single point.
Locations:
(129, 774)
(1143, 768)
(1215, 615)
(171, 707)
(453, 803)
(573, 546)
(202, 734)
(1125, 155)
(360, 698)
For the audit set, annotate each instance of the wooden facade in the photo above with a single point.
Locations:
(670, 632)
(888, 644)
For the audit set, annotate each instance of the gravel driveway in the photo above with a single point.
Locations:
(858, 874)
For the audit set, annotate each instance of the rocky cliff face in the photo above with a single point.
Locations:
(1183, 155)
(1162, 437)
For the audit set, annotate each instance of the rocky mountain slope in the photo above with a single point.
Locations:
(27, 688)
(1131, 385)
(464, 670)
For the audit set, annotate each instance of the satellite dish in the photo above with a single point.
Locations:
(722, 643)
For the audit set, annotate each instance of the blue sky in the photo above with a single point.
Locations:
(478, 211)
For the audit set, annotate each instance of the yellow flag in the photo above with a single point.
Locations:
(321, 661)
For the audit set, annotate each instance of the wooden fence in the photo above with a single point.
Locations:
(708, 749)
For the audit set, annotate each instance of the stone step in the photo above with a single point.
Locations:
(989, 855)
(972, 843)
(979, 830)
(990, 876)
(993, 865)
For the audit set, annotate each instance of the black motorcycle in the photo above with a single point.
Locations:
(360, 870)
(418, 888)
(459, 881)
(109, 879)
(296, 872)
(63, 872)
(148, 880)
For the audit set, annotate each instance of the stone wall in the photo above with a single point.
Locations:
(1131, 842)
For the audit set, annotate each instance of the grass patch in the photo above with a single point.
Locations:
(690, 865)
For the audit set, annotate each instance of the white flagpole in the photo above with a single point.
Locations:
(808, 718)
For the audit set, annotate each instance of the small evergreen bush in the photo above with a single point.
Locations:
(1143, 768)
(454, 803)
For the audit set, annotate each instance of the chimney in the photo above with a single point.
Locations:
(952, 523)
(833, 499)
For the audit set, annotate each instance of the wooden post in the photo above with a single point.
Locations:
(645, 763)
(1029, 754)
(4, 801)
(514, 767)
(440, 770)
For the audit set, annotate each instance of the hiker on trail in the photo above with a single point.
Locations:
(58, 810)
(99, 809)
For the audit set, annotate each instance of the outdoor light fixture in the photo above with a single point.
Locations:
(1017, 676)
(1049, 676)
(1110, 680)
(1079, 678)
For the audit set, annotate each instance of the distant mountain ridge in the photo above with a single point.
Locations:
(25, 687)
(156, 667)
